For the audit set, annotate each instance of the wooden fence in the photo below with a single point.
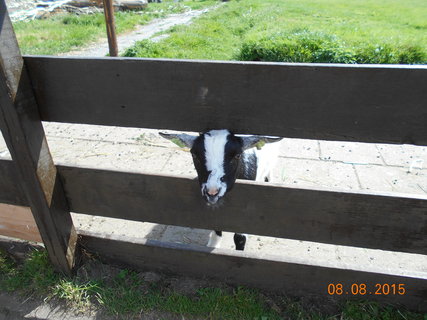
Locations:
(384, 104)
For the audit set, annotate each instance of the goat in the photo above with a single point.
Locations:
(220, 157)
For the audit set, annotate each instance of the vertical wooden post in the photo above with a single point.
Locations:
(111, 27)
(24, 135)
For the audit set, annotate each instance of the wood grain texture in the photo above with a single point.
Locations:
(388, 222)
(310, 101)
(10, 188)
(18, 222)
(303, 278)
(24, 135)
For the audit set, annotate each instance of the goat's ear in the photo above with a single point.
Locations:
(186, 139)
(257, 141)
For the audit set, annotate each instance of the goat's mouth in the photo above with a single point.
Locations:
(213, 202)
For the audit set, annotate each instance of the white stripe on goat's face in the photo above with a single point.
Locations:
(214, 142)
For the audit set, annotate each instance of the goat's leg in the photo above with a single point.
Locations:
(215, 239)
(240, 241)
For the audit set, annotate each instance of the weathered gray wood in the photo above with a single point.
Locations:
(10, 189)
(271, 273)
(332, 102)
(388, 222)
(24, 135)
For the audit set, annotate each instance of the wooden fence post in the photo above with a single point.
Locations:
(24, 135)
(111, 27)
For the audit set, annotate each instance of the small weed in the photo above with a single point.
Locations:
(140, 138)
(78, 295)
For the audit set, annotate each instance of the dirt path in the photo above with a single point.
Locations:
(100, 48)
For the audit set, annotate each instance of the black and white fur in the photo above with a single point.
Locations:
(220, 157)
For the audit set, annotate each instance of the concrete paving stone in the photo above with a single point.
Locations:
(122, 227)
(350, 152)
(180, 163)
(4, 151)
(77, 131)
(130, 157)
(324, 254)
(299, 148)
(148, 137)
(408, 156)
(56, 129)
(186, 235)
(315, 173)
(70, 151)
(3, 146)
(395, 179)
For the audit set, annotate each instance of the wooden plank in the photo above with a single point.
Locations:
(24, 135)
(18, 222)
(10, 188)
(310, 101)
(389, 222)
(273, 273)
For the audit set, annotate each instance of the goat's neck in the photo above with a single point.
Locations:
(248, 165)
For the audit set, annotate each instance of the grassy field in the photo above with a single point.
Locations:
(127, 294)
(65, 32)
(363, 31)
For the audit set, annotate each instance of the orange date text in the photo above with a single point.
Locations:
(365, 289)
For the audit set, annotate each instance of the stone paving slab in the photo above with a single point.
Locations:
(350, 152)
(315, 173)
(404, 156)
(393, 179)
(300, 149)
(129, 157)
(76, 131)
(70, 150)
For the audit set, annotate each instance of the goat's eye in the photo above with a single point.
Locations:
(237, 156)
(222, 179)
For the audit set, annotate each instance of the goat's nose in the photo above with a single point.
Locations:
(212, 192)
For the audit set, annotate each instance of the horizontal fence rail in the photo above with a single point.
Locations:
(388, 222)
(311, 101)
(298, 278)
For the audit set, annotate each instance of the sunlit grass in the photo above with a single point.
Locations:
(363, 31)
(126, 294)
(65, 32)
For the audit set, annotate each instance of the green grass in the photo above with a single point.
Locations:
(363, 31)
(66, 32)
(125, 294)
